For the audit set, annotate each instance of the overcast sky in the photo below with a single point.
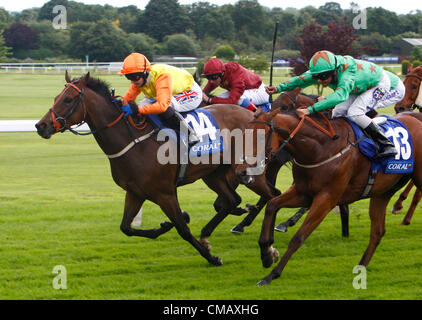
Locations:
(398, 6)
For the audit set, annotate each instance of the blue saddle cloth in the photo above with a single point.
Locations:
(204, 125)
(397, 132)
(265, 107)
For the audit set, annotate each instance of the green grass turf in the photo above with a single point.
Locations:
(60, 206)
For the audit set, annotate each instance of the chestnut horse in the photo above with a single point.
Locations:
(327, 170)
(288, 101)
(413, 85)
(132, 151)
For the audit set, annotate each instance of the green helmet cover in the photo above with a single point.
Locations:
(322, 61)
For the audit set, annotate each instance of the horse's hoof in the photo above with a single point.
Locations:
(282, 227)
(216, 261)
(237, 229)
(238, 211)
(405, 223)
(267, 260)
(396, 210)
(266, 281)
(166, 226)
(186, 216)
(270, 257)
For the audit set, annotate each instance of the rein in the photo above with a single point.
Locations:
(59, 122)
(330, 132)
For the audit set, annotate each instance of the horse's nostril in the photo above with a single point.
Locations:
(40, 125)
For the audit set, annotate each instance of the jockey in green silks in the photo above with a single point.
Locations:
(359, 87)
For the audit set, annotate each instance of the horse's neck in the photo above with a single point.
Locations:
(305, 101)
(311, 144)
(102, 113)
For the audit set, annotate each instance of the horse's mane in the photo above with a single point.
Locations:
(101, 87)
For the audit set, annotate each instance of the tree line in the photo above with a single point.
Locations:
(165, 27)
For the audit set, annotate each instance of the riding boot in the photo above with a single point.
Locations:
(385, 147)
(175, 121)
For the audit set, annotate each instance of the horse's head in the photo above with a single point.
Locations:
(68, 108)
(262, 148)
(287, 101)
(413, 95)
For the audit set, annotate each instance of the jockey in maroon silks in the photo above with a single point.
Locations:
(245, 88)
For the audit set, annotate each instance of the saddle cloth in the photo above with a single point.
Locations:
(397, 132)
(203, 123)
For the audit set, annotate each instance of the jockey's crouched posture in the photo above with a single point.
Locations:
(245, 87)
(360, 87)
(168, 91)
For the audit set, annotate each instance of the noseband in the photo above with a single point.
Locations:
(59, 122)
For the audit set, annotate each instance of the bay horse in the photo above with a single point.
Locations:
(327, 170)
(132, 151)
(410, 102)
(285, 102)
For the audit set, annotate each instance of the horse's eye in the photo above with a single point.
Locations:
(414, 87)
(67, 100)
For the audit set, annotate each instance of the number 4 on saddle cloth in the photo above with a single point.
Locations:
(203, 123)
(397, 132)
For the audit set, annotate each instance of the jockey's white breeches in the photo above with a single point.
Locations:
(257, 96)
(380, 96)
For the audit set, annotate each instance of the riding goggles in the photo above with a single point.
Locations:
(322, 76)
(213, 76)
(134, 76)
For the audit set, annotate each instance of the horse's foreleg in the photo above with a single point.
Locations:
(416, 198)
(344, 215)
(398, 205)
(253, 211)
(321, 205)
(132, 207)
(292, 199)
(266, 191)
(377, 208)
(282, 227)
(170, 207)
(226, 202)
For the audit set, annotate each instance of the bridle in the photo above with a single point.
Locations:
(273, 129)
(420, 79)
(290, 97)
(60, 122)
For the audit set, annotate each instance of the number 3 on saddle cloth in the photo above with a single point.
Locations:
(402, 162)
(203, 123)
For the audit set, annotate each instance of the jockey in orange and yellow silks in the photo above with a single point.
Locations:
(167, 89)
(159, 83)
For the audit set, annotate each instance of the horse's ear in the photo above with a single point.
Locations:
(67, 77)
(274, 112)
(410, 67)
(84, 79)
(296, 91)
